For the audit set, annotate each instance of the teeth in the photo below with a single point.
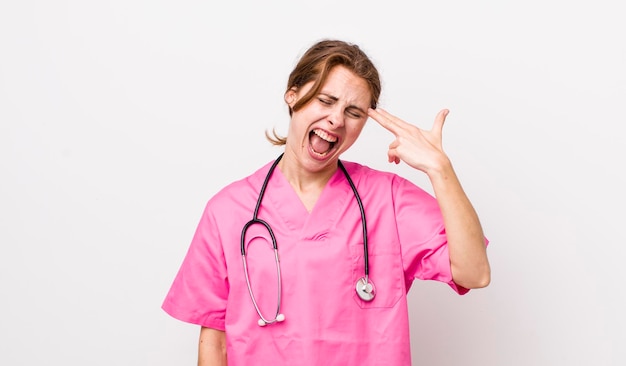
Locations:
(323, 135)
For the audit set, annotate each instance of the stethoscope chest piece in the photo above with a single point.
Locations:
(365, 289)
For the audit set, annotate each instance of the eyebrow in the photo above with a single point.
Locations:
(351, 106)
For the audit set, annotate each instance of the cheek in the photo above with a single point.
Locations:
(355, 129)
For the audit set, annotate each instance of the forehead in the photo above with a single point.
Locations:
(347, 86)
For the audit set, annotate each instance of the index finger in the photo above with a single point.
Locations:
(385, 119)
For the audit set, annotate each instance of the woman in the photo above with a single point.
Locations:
(350, 239)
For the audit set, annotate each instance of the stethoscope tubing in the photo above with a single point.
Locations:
(363, 221)
(365, 289)
(256, 221)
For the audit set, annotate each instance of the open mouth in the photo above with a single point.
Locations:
(321, 142)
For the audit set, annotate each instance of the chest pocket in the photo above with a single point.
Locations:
(385, 273)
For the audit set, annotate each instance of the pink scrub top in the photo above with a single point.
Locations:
(321, 258)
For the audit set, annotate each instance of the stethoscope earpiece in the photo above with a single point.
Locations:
(279, 318)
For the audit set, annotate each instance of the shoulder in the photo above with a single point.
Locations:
(367, 177)
(240, 193)
(374, 180)
(360, 172)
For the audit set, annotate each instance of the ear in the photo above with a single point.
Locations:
(290, 97)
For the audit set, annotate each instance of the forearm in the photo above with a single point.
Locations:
(466, 241)
(212, 347)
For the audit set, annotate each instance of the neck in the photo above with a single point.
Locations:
(306, 183)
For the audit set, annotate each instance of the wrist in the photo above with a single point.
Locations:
(442, 169)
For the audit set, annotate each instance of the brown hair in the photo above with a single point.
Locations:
(315, 65)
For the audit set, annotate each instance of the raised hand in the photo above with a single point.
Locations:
(421, 149)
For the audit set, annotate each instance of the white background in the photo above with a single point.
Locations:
(120, 119)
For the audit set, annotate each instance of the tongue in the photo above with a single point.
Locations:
(319, 145)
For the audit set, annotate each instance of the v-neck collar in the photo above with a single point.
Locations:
(306, 225)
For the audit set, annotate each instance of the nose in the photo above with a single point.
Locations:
(336, 117)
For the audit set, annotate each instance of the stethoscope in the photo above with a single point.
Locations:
(364, 286)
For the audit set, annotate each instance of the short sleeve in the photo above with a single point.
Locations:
(199, 292)
(422, 236)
